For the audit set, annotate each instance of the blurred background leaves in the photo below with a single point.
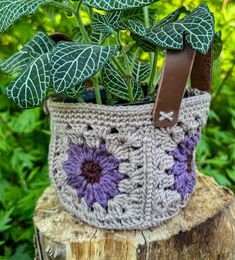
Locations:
(24, 135)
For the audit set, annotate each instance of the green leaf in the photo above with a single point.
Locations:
(5, 219)
(141, 71)
(72, 64)
(21, 252)
(197, 29)
(39, 45)
(132, 15)
(11, 10)
(117, 86)
(217, 45)
(75, 91)
(31, 87)
(112, 5)
(97, 38)
(137, 15)
(104, 23)
(172, 17)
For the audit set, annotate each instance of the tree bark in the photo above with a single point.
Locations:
(205, 229)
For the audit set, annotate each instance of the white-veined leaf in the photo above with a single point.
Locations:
(197, 29)
(172, 17)
(141, 71)
(111, 5)
(39, 45)
(97, 38)
(31, 87)
(11, 10)
(135, 14)
(73, 63)
(75, 91)
(104, 23)
(117, 86)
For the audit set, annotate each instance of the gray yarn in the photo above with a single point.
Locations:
(146, 198)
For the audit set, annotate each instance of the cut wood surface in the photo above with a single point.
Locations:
(205, 229)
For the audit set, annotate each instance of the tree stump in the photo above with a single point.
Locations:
(205, 229)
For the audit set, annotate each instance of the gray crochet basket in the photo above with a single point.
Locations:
(114, 168)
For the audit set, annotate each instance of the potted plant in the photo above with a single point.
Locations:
(116, 159)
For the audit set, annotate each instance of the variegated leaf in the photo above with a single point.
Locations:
(172, 17)
(117, 86)
(118, 20)
(132, 15)
(73, 63)
(31, 87)
(197, 29)
(39, 45)
(140, 72)
(97, 38)
(117, 4)
(11, 10)
(75, 91)
(104, 23)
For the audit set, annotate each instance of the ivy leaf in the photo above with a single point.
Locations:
(39, 45)
(112, 5)
(141, 71)
(31, 87)
(11, 10)
(72, 64)
(117, 86)
(197, 29)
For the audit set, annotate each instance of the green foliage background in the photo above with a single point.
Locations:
(24, 135)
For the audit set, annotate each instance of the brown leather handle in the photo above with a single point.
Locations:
(177, 68)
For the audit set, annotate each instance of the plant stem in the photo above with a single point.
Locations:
(78, 6)
(95, 81)
(76, 15)
(63, 6)
(119, 67)
(82, 28)
(146, 16)
(151, 87)
(130, 89)
(135, 58)
(147, 24)
(126, 77)
(80, 23)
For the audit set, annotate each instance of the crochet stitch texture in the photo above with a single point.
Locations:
(153, 172)
(93, 173)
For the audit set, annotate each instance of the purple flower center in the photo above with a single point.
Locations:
(184, 168)
(91, 171)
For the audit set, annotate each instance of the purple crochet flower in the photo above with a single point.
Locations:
(93, 173)
(184, 168)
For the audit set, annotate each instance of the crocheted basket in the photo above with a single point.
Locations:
(116, 167)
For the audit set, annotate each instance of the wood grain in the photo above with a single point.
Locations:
(205, 229)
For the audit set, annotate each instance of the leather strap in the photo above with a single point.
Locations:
(177, 68)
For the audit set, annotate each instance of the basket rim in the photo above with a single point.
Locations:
(199, 97)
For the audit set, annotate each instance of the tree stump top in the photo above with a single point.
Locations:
(54, 223)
